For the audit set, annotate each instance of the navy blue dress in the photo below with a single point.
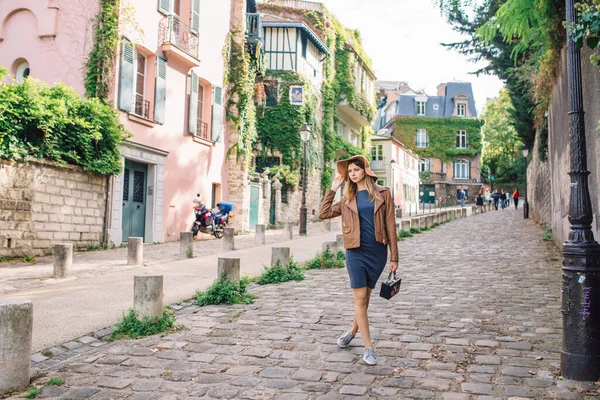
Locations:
(366, 263)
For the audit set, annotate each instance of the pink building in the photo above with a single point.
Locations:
(167, 84)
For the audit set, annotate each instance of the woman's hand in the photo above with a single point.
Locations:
(393, 266)
(337, 182)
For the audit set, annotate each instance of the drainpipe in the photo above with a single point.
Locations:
(105, 227)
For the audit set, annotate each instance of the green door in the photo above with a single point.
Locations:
(134, 199)
(427, 194)
(254, 200)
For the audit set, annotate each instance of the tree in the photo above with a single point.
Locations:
(502, 148)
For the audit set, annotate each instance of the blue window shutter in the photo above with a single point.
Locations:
(195, 18)
(126, 76)
(164, 6)
(193, 112)
(217, 114)
(160, 90)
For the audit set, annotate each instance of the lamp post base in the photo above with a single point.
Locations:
(525, 210)
(303, 220)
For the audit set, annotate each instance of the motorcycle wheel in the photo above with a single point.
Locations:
(195, 230)
(219, 232)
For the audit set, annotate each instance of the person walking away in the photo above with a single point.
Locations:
(488, 197)
(479, 202)
(503, 199)
(461, 197)
(507, 199)
(369, 227)
(496, 197)
(516, 197)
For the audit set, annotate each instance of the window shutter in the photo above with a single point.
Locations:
(469, 169)
(217, 114)
(195, 18)
(193, 113)
(126, 76)
(160, 90)
(164, 6)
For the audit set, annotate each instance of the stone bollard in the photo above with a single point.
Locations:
(135, 251)
(423, 222)
(415, 223)
(229, 268)
(16, 324)
(63, 259)
(405, 225)
(464, 212)
(229, 239)
(474, 210)
(148, 295)
(259, 238)
(288, 232)
(340, 241)
(430, 220)
(281, 254)
(186, 244)
(326, 225)
(436, 219)
(332, 247)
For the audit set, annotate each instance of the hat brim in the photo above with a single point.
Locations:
(342, 167)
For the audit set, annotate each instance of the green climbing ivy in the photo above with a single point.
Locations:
(441, 136)
(240, 108)
(101, 59)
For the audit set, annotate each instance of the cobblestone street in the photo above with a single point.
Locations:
(478, 318)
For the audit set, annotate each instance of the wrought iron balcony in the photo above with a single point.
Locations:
(141, 107)
(202, 130)
(254, 29)
(171, 30)
(377, 165)
(438, 176)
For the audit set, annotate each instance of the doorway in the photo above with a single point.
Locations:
(135, 179)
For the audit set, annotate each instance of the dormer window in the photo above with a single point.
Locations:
(421, 107)
(461, 109)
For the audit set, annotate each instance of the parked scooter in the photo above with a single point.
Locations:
(211, 221)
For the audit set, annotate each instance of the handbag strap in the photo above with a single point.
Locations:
(389, 279)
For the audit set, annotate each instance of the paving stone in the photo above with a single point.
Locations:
(476, 388)
(487, 343)
(276, 373)
(518, 391)
(419, 346)
(421, 355)
(493, 360)
(52, 391)
(458, 342)
(80, 393)
(114, 383)
(398, 383)
(280, 383)
(385, 392)
(353, 390)
(434, 384)
(359, 379)
(293, 396)
(516, 371)
(146, 385)
(38, 357)
(456, 396)
(341, 357)
(307, 375)
(242, 370)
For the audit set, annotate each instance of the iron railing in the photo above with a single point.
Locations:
(173, 31)
(253, 28)
(438, 176)
(202, 130)
(377, 165)
(141, 107)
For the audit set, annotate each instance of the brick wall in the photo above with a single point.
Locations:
(42, 203)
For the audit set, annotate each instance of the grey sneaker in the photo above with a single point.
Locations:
(345, 339)
(369, 357)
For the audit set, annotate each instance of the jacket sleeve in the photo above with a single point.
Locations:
(390, 226)
(329, 210)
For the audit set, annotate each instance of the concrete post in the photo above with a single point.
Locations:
(436, 218)
(281, 254)
(423, 222)
(430, 220)
(464, 212)
(135, 251)
(229, 268)
(474, 210)
(288, 232)
(332, 247)
(186, 244)
(16, 324)
(340, 241)
(229, 239)
(405, 225)
(148, 295)
(259, 238)
(415, 223)
(326, 225)
(63, 259)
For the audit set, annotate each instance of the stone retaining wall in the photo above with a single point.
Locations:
(43, 203)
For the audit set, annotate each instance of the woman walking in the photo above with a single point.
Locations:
(368, 225)
(516, 197)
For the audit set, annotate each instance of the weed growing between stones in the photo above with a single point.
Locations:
(131, 326)
(547, 235)
(326, 260)
(225, 291)
(190, 253)
(404, 234)
(32, 393)
(47, 353)
(278, 274)
(55, 381)
(415, 231)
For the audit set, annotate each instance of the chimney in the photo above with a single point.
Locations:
(441, 89)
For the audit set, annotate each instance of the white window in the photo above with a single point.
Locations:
(461, 109)
(424, 165)
(422, 138)
(377, 152)
(421, 106)
(23, 71)
(461, 169)
(141, 106)
(461, 140)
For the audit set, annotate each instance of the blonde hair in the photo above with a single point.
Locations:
(352, 188)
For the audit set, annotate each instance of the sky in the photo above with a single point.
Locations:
(403, 38)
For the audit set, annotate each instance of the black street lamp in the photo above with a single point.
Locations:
(305, 136)
(525, 203)
(580, 356)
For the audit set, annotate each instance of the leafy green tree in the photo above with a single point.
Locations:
(502, 148)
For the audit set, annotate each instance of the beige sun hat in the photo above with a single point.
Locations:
(342, 166)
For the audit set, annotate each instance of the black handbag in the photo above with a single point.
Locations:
(390, 287)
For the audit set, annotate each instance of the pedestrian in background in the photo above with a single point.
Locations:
(503, 199)
(461, 196)
(507, 198)
(369, 226)
(496, 197)
(516, 196)
(479, 201)
(488, 197)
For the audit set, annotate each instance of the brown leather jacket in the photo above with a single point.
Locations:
(385, 220)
